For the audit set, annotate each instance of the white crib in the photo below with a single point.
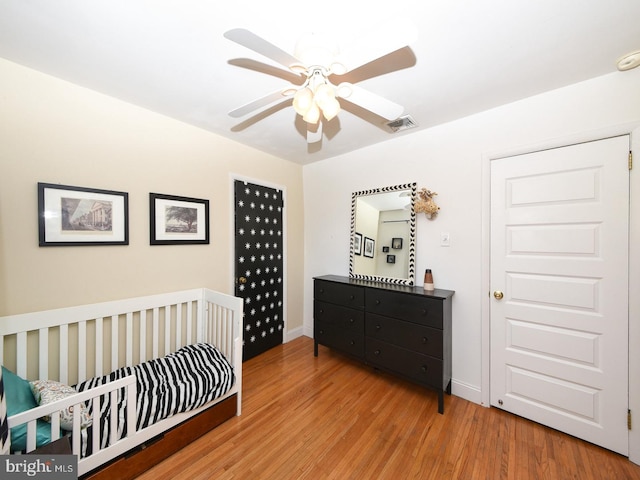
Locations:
(73, 344)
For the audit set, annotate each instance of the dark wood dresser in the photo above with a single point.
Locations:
(399, 329)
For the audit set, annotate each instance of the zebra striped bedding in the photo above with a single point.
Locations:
(181, 381)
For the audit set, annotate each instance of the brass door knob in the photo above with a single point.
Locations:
(242, 280)
(498, 295)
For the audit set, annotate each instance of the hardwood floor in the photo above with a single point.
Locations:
(332, 418)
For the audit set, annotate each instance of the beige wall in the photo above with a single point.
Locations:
(55, 132)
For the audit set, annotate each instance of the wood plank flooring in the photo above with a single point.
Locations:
(333, 418)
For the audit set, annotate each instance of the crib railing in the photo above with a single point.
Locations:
(72, 344)
(90, 398)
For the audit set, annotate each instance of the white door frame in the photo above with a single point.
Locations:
(634, 263)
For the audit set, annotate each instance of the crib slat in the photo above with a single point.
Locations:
(113, 407)
(189, 322)
(55, 425)
(223, 322)
(226, 331)
(114, 342)
(155, 324)
(143, 336)
(131, 408)
(64, 353)
(167, 329)
(31, 435)
(82, 351)
(129, 338)
(98, 346)
(200, 332)
(21, 354)
(43, 353)
(97, 406)
(178, 341)
(213, 324)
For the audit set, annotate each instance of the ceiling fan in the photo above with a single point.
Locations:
(318, 60)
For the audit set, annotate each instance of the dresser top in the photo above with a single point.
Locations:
(437, 293)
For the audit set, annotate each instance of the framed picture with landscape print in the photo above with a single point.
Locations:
(178, 220)
(75, 216)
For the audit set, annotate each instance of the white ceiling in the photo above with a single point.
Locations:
(170, 56)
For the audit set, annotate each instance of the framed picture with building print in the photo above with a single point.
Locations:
(75, 216)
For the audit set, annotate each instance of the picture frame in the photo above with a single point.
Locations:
(369, 247)
(385, 249)
(391, 259)
(357, 243)
(396, 243)
(175, 220)
(80, 216)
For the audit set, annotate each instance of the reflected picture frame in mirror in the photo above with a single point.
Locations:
(386, 216)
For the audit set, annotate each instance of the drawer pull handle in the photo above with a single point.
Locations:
(377, 352)
(378, 302)
(351, 320)
(424, 311)
(352, 342)
(424, 369)
(425, 339)
(378, 327)
(351, 297)
(321, 332)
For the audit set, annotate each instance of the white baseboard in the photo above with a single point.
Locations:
(293, 334)
(468, 392)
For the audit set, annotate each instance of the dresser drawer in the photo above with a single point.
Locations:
(412, 308)
(342, 317)
(339, 294)
(421, 368)
(348, 341)
(411, 336)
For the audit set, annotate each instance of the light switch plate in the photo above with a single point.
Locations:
(445, 239)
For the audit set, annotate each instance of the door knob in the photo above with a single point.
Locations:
(242, 280)
(498, 295)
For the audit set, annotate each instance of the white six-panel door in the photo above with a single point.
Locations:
(559, 257)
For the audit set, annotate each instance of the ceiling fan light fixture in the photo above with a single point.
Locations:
(323, 95)
(303, 101)
(331, 109)
(313, 114)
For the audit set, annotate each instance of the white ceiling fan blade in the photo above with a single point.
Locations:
(393, 35)
(273, 97)
(314, 136)
(370, 101)
(258, 44)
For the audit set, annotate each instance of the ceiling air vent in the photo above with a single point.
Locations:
(402, 123)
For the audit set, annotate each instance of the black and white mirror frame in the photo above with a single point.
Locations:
(411, 271)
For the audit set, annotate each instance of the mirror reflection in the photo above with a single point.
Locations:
(383, 234)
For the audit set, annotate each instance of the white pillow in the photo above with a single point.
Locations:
(47, 391)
